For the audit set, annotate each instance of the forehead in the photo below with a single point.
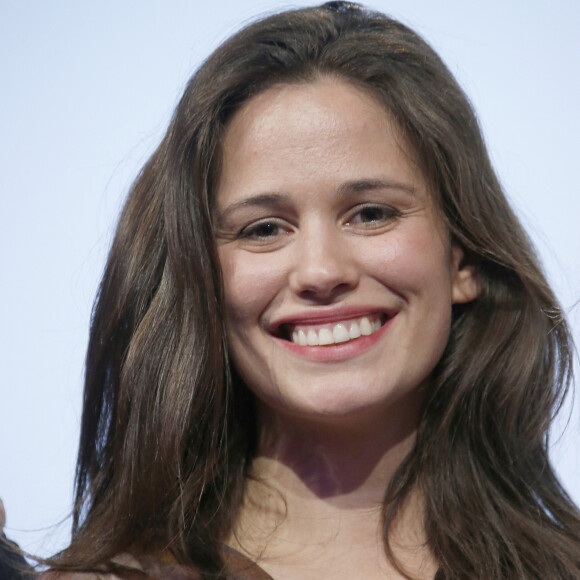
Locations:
(296, 102)
(327, 128)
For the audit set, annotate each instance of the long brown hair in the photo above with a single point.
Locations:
(168, 429)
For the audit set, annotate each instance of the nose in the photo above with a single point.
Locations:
(325, 266)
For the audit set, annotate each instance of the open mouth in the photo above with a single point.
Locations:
(332, 333)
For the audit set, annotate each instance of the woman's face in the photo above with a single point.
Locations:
(338, 272)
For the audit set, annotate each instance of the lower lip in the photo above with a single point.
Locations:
(340, 351)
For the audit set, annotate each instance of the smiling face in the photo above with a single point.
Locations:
(338, 272)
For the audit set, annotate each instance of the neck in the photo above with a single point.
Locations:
(320, 486)
(337, 461)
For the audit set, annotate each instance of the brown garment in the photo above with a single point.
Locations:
(165, 567)
(238, 568)
(243, 568)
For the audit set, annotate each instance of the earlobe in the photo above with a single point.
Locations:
(466, 281)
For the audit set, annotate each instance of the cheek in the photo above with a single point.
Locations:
(414, 261)
(250, 284)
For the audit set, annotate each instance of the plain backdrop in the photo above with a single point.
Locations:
(86, 90)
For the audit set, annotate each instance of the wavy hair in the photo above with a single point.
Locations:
(168, 429)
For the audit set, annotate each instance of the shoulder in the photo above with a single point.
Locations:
(126, 568)
(164, 567)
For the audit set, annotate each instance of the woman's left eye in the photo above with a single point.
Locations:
(372, 215)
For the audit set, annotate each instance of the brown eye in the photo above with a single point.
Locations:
(372, 214)
(263, 231)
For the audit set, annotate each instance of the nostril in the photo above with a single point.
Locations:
(325, 294)
(323, 270)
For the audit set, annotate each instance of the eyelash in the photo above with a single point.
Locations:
(276, 227)
(252, 230)
(387, 212)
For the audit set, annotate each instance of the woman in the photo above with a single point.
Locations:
(323, 344)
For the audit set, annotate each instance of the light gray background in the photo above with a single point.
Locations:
(86, 90)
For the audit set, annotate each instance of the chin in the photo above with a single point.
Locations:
(330, 404)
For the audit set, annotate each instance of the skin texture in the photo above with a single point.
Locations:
(323, 217)
(302, 163)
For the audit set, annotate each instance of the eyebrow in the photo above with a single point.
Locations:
(361, 185)
(269, 200)
(348, 188)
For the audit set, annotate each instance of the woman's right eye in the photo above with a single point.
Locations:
(263, 231)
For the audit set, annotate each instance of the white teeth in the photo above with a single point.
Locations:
(365, 326)
(339, 333)
(325, 337)
(354, 331)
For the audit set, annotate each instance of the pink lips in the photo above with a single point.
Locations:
(316, 341)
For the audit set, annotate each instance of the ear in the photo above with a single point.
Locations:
(466, 284)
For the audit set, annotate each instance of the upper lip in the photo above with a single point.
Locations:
(327, 316)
